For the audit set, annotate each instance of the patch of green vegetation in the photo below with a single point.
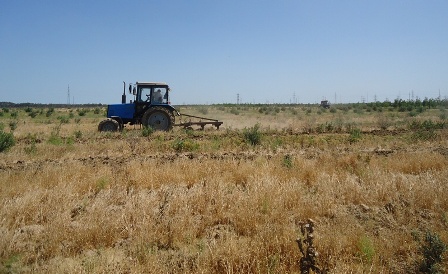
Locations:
(287, 161)
(252, 135)
(147, 131)
(180, 145)
(64, 119)
(13, 125)
(355, 135)
(6, 141)
(366, 249)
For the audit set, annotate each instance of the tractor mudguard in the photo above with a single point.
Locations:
(169, 107)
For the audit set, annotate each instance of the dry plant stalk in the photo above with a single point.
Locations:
(308, 261)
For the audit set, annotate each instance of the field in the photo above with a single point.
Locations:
(373, 178)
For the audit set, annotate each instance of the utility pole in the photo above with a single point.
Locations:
(68, 95)
(237, 98)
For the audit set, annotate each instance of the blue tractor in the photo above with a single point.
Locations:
(151, 108)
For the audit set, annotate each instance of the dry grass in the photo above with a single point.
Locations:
(125, 203)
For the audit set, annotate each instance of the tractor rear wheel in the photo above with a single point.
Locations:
(108, 125)
(159, 118)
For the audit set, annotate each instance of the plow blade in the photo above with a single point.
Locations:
(198, 121)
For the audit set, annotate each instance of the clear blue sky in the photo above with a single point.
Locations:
(209, 51)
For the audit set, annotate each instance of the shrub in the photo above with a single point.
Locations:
(287, 161)
(31, 140)
(55, 138)
(63, 119)
(6, 141)
(32, 114)
(146, 131)
(234, 111)
(13, 125)
(184, 145)
(78, 134)
(203, 110)
(413, 114)
(97, 111)
(253, 135)
(14, 114)
(443, 114)
(82, 112)
(432, 249)
(355, 135)
(384, 122)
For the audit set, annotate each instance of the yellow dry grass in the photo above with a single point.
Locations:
(124, 203)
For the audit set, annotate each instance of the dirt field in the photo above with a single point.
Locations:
(74, 200)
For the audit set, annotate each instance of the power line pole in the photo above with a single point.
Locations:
(68, 95)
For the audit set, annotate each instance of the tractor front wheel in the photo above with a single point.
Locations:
(108, 125)
(158, 118)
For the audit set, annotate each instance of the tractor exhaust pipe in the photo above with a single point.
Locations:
(123, 97)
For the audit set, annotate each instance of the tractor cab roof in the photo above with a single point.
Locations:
(152, 83)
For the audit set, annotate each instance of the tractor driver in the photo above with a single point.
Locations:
(157, 96)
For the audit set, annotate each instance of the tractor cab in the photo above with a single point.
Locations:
(150, 93)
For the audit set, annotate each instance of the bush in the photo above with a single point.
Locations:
(146, 131)
(203, 110)
(425, 130)
(184, 145)
(13, 125)
(82, 112)
(234, 111)
(253, 135)
(33, 114)
(6, 141)
(432, 250)
(31, 140)
(64, 119)
(287, 161)
(355, 135)
(78, 134)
